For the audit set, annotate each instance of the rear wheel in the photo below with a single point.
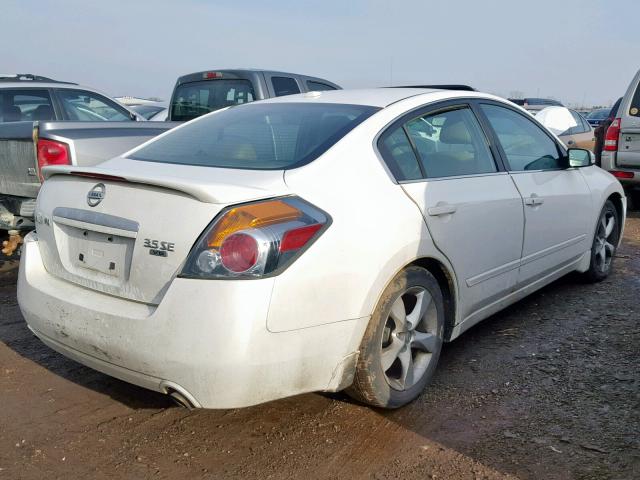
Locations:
(634, 195)
(604, 244)
(401, 346)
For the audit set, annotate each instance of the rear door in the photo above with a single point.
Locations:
(473, 211)
(557, 199)
(629, 140)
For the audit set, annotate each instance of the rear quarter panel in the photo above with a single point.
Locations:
(376, 230)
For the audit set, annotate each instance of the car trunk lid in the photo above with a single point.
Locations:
(127, 232)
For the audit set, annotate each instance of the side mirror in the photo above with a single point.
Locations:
(579, 157)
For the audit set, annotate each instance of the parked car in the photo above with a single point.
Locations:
(45, 122)
(621, 153)
(569, 125)
(160, 116)
(202, 92)
(320, 241)
(534, 105)
(596, 117)
(152, 112)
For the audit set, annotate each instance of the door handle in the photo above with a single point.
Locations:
(443, 209)
(533, 200)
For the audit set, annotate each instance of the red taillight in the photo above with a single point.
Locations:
(298, 238)
(611, 137)
(239, 252)
(52, 153)
(211, 75)
(619, 174)
(255, 239)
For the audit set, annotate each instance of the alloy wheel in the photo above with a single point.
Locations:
(603, 248)
(410, 338)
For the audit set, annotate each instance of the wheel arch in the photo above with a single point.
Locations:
(616, 199)
(447, 284)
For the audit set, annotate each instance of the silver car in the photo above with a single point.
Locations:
(621, 153)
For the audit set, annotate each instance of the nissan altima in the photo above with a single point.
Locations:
(317, 242)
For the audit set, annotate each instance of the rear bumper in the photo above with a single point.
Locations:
(608, 162)
(207, 339)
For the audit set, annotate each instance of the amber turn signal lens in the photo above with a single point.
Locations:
(251, 216)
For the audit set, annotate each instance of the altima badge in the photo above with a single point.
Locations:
(96, 194)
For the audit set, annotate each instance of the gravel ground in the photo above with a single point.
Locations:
(547, 389)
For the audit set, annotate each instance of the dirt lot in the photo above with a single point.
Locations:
(547, 389)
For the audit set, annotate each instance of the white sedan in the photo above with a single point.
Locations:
(315, 242)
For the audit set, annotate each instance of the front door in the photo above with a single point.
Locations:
(557, 200)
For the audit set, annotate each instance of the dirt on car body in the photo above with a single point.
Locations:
(548, 388)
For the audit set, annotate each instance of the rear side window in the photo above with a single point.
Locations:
(191, 100)
(526, 146)
(450, 144)
(634, 108)
(25, 105)
(318, 86)
(399, 155)
(257, 137)
(83, 106)
(284, 86)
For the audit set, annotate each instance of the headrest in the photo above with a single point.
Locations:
(11, 113)
(454, 130)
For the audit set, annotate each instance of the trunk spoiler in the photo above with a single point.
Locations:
(207, 190)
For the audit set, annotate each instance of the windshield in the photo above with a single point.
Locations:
(191, 100)
(272, 136)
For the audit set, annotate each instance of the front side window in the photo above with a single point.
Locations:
(284, 86)
(257, 137)
(194, 99)
(525, 145)
(83, 106)
(451, 143)
(25, 105)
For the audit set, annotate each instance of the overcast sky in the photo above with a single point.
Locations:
(573, 50)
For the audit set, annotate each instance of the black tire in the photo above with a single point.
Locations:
(383, 388)
(634, 196)
(602, 254)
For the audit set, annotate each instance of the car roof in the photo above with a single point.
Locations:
(36, 84)
(375, 97)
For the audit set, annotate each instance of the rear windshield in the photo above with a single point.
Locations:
(272, 136)
(191, 100)
(599, 114)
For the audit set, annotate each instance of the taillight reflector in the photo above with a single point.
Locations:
(50, 152)
(611, 137)
(298, 238)
(619, 174)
